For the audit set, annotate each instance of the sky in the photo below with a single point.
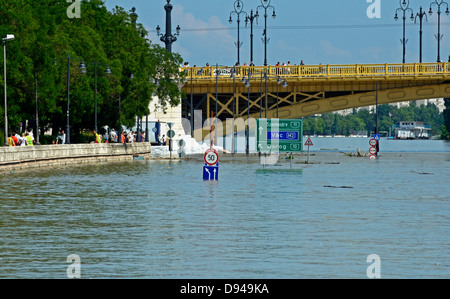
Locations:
(321, 31)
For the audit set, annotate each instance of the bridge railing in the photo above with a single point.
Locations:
(311, 71)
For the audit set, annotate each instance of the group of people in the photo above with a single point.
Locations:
(125, 137)
(186, 64)
(282, 68)
(26, 139)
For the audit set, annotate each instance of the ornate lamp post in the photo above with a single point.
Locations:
(4, 39)
(247, 84)
(252, 17)
(168, 38)
(265, 4)
(107, 72)
(420, 15)
(238, 10)
(284, 84)
(439, 37)
(404, 7)
(82, 68)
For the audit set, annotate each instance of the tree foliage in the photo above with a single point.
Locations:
(446, 125)
(365, 120)
(45, 37)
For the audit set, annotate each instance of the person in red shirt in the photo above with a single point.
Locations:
(16, 141)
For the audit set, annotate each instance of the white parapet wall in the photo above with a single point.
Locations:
(171, 115)
(21, 157)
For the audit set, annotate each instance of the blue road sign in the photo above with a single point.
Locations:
(288, 136)
(210, 173)
(377, 137)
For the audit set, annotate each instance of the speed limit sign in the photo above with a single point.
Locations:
(211, 157)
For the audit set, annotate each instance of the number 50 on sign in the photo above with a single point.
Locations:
(211, 157)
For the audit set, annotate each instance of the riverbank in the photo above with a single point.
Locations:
(25, 157)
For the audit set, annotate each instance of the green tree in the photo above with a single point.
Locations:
(45, 35)
(446, 119)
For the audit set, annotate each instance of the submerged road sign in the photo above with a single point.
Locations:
(211, 157)
(279, 135)
(211, 173)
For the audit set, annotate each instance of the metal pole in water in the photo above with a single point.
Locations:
(378, 141)
(307, 161)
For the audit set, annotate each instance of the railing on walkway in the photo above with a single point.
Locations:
(310, 71)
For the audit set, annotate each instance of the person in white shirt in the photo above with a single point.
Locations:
(113, 136)
(23, 140)
(61, 139)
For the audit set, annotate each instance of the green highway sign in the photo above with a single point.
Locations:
(279, 135)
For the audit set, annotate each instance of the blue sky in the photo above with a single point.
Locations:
(321, 31)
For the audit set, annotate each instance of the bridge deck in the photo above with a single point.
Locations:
(375, 71)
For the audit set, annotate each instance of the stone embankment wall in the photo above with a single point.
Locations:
(24, 157)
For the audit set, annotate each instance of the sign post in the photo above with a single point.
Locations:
(211, 168)
(373, 149)
(279, 136)
(377, 137)
(170, 134)
(308, 143)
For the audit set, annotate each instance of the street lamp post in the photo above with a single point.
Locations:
(420, 15)
(238, 10)
(6, 38)
(265, 4)
(168, 38)
(217, 100)
(107, 72)
(233, 75)
(192, 105)
(119, 130)
(82, 68)
(265, 95)
(284, 84)
(37, 111)
(247, 84)
(68, 101)
(439, 37)
(133, 16)
(252, 17)
(404, 7)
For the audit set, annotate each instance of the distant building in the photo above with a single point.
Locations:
(412, 130)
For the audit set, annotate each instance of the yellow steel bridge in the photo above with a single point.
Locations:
(296, 91)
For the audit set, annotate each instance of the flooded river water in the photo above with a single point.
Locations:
(159, 219)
